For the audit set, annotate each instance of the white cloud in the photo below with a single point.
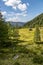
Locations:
(4, 13)
(22, 7)
(16, 4)
(13, 19)
(21, 14)
(14, 7)
(11, 14)
(12, 3)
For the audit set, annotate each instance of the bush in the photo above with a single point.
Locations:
(23, 50)
(6, 44)
(38, 59)
(39, 42)
(16, 63)
(30, 29)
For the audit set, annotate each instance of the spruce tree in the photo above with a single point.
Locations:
(3, 29)
(37, 37)
(10, 34)
(16, 33)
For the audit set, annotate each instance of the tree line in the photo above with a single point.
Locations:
(7, 32)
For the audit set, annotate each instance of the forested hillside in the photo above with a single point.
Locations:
(36, 21)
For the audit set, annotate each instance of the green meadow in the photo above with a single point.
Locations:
(26, 52)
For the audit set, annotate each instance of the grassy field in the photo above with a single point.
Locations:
(26, 52)
(28, 36)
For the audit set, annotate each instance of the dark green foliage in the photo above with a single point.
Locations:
(16, 63)
(40, 42)
(37, 37)
(36, 21)
(30, 29)
(38, 59)
(24, 50)
(16, 34)
(10, 34)
(3, 29)
(6, 44)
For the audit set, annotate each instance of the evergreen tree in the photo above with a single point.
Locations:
(37, 37)
(16, 33)
(3, 29)
(10, 29)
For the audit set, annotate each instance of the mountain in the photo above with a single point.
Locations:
(20, 24)
(36, 21)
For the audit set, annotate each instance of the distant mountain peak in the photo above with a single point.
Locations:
(19, 23)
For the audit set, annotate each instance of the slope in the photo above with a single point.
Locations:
(36, 21)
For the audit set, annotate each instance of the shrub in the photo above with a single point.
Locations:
(38, 59)
(16, 63)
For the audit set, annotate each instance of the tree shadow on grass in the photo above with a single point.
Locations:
(19, 41)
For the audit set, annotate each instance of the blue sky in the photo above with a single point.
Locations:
(21, 10)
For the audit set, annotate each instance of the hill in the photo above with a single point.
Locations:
(20, 24)
(36, 21)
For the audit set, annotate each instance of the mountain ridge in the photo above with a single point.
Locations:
(20, 24)
(38, 20)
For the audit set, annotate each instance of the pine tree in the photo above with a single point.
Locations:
(3, 29)
(16, 33)
(10, 34)
(37, 37)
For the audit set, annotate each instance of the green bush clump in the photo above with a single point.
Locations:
(24, 50)
(16, 63)
(38, 59)
(40, 42)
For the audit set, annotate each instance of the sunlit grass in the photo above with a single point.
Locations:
(27, 35)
